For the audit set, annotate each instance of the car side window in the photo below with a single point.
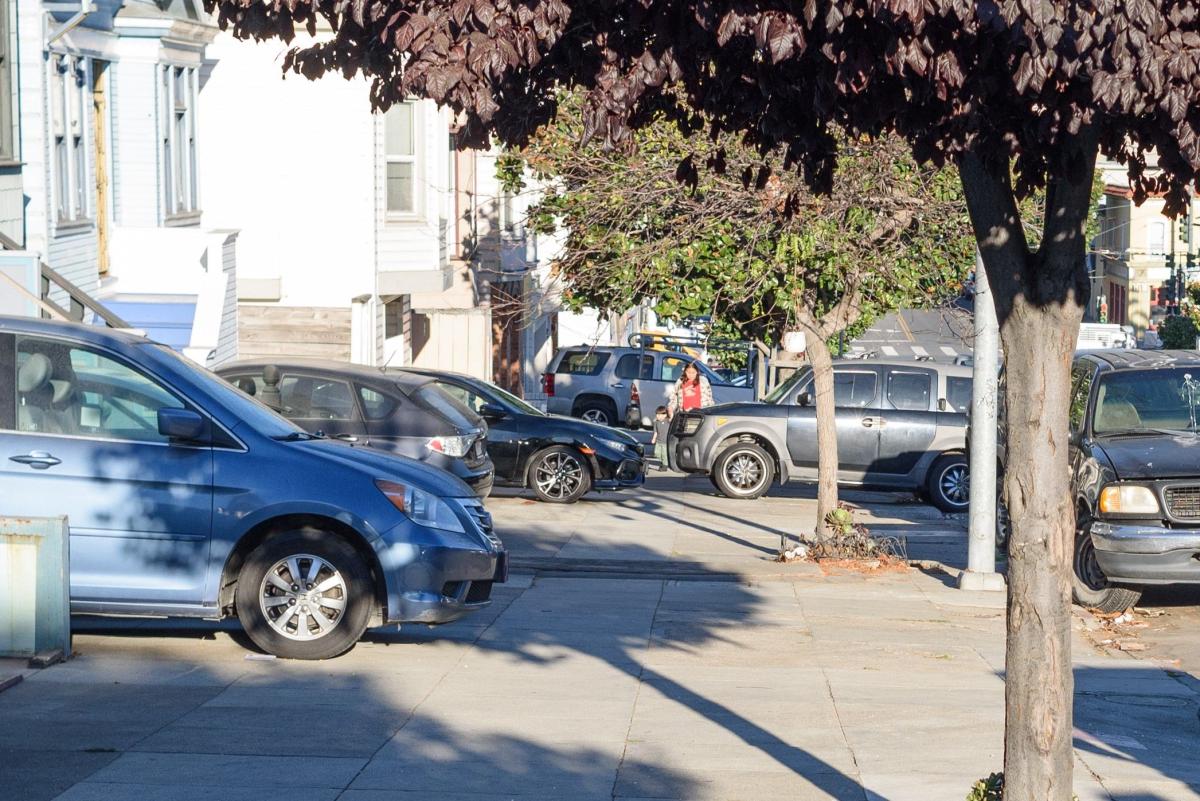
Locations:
(67, 389)
(671, 368)
(958, 394)
(466, 397)
(376, 405)
(311, 398)
(582, 362)
(1082, 375)
(854, 388)
(631, 365)
(909, 390)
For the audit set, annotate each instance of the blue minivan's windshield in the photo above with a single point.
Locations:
(252, 412)
(1159, 399)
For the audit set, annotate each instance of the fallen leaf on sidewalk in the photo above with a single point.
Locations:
(1148, 612)
(1131, 646)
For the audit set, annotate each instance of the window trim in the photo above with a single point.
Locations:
(396, 215)
(8, 137)
(189, 212)
(72, 203)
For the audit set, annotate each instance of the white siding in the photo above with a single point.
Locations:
(135, 181)
(416, 242)
(227, 346)
(289, 164)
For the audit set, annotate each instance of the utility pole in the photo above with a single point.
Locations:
(981, 545)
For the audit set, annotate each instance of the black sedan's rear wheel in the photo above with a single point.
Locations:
(743, 470)
(304, 594)
(1089, 586)
(559, 475)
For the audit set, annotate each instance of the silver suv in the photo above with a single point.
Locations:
(608, 385)
(901, 426)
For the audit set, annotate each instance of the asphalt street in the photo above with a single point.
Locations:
(938, 334)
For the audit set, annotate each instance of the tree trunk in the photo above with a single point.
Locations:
(1038, 680)
(1039, 301)
(827, 446)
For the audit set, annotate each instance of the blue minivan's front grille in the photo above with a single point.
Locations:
(483, 518)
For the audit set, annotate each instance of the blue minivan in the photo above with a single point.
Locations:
(185, 497)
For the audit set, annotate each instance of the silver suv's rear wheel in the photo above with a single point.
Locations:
(304, 594)
(743, 470)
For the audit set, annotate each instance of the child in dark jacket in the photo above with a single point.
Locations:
(662, 424)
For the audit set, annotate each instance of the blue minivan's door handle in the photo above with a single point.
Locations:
(38, 460)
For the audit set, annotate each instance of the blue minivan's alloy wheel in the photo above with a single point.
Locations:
(304, 595)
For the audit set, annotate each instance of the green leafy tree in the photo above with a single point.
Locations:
(757, 250)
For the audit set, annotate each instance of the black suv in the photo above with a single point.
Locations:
(1135, 467)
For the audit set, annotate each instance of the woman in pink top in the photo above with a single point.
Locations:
(691, 391)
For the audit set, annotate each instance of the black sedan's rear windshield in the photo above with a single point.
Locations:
(433, 397)
(1163, 399)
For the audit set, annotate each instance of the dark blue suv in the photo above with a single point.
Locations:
(185, 497)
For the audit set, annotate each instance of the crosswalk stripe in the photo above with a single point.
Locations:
(949, 351)
(919, 351)
(888, 350)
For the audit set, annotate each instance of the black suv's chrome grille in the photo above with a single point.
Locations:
(1183, 503)
(484, 518)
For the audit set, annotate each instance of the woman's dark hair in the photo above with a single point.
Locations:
(693, 366)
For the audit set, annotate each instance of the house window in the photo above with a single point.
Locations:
(177, 131)
(400, 149)
(1156, 238)
(7, 150)
(68, 114)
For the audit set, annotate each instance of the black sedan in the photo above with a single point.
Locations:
(559, 458)
(405, 414)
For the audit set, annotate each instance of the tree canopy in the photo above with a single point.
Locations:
(1005, 78)
(748, 247)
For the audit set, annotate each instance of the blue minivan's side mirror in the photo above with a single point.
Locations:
(182, 424)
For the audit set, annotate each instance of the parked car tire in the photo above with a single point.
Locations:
(559, 475)
(597, 412)
(743, 470)
(949, 483)
(1089, 585)
(331, 597)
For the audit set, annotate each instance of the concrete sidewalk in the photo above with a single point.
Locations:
(881, 688)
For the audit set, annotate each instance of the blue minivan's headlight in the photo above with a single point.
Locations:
(420, 506)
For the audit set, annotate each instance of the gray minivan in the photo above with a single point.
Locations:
(598, 383)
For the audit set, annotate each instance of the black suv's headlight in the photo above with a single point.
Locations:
(1128, 500)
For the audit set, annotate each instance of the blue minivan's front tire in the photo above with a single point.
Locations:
(304, 594)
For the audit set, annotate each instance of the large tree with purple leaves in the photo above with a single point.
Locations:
(1018, 94)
